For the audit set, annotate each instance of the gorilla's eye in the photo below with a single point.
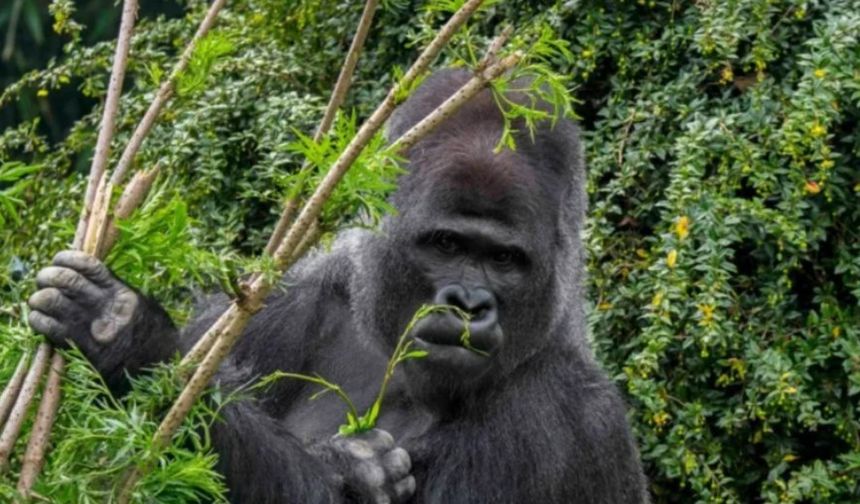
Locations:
(446, 243)
(507, 258)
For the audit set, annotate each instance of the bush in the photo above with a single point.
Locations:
(723, 248)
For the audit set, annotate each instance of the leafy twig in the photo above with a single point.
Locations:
(165, 92)
(335, 101)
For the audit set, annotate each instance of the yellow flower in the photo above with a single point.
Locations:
(812, 187)
(657, 299)
(836, 331)
(817, 130)
(42, 93)
(64, 79)
(707, 312)
(672, 258)
(587, 53)
(727, 75)
(820, 73)
(682, 227)
(789, 458)
(827, 164)
(660, 418)
(604, 306)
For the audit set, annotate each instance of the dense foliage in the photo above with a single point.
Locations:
(724, 259)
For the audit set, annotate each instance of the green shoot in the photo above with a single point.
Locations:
(403, 352)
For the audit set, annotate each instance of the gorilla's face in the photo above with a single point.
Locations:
(493, 233)
(476, 230)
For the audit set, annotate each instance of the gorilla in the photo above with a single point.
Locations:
(530, 417)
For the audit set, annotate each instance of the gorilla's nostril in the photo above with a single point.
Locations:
(479, 303)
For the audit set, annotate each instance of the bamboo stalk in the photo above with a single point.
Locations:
(132, 197)
(108, 123)
(41, 433)
(93, 234)
(165, 92)
(454, 102)
(338, 95)
(96, 176)
(19, 410)
(230, 326)
(10, 393)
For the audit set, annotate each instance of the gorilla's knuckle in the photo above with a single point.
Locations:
(397, 462)
(405, 488)
(370, 474)
(360, 449)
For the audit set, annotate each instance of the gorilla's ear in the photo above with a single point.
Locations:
(430, 94)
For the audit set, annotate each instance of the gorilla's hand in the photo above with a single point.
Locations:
(373, 469)
(81, 301)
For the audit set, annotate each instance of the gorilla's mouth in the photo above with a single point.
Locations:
(441, 336)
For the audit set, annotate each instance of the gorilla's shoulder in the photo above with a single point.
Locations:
(331, 268)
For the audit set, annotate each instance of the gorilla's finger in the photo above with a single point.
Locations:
(397, 464)
(379, 439)
(73, 284)
(85, 264)
(56, 332)
(404, 489)
(52, 302)
(370, 474)
(358, 448)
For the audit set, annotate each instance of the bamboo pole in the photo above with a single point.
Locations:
(229, 327)
(165, 92)
(34, 456)
(10, 393)
(19, 411)
(338, 95)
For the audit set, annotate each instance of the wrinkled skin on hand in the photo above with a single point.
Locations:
(80, 302)
(373, 469)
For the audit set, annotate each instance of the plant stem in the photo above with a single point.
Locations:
(10, 393)
(37, 445)
(454, 102)
(344, 79)
(165, 92)
(108, 124)
(19, 410)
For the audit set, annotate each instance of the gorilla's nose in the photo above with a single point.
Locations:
(479, 303)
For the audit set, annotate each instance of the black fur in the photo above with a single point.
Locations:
(498, 234)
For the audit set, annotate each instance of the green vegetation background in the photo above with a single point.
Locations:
(724, 259)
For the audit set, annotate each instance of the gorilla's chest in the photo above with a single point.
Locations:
(360, 377)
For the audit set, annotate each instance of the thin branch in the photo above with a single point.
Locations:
(41, 432)
(132, 197)
(11, 31)
(106, 129)
(338, 95)
(229, 327)
(19, 410)
(313, 207)
(347, 70)
(496, 45)
(10, 393)
(454, 102)
(165, 92)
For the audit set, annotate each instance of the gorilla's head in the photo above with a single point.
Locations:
(494, 233)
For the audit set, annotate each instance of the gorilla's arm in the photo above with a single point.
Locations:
(122, 331)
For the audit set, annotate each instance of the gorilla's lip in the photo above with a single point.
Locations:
(440, 335)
